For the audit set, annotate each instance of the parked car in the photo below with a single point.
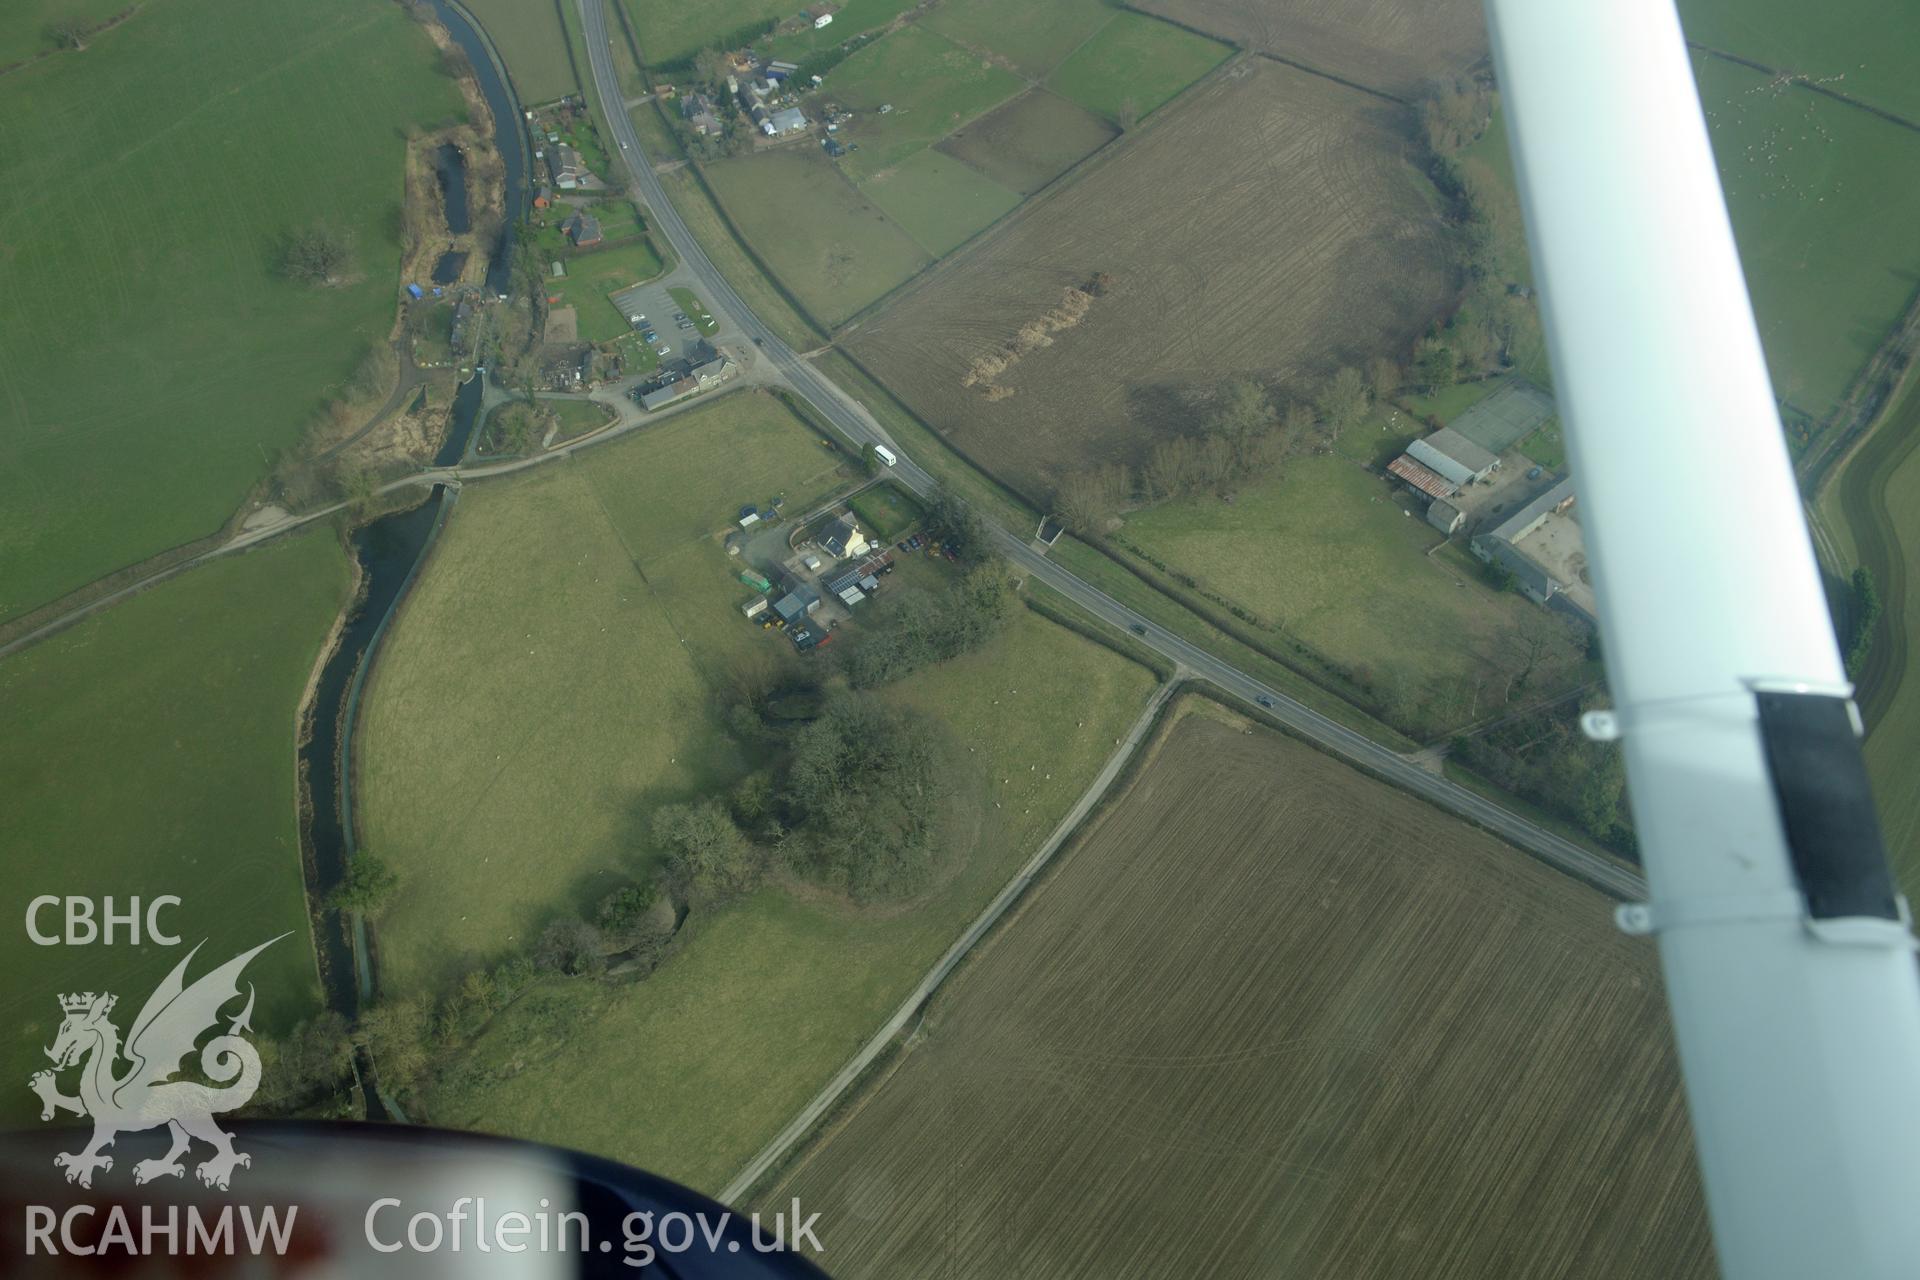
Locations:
(679, 315)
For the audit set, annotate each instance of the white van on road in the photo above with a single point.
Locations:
(885, 455)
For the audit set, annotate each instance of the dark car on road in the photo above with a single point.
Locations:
(1265, 701)
(1137, 629)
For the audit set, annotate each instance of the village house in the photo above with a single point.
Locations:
(568, 169)
(583, 229)
(842, 538)
(697, 109)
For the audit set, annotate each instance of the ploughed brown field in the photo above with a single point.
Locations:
(1274, 1018)
(1393, 46)
(1301, 240)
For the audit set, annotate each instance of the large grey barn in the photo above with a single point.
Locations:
(1452, 455)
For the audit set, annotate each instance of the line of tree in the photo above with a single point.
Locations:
(851, 803)
(1544, 757)
(1245, 436)
(1858, 614)
(1452, 115)
(413, 1041)
(950, 520)
(926, 628)
(863, 795)
(308, 1071)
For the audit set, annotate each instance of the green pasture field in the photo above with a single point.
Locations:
(540, 694)
(656, 135)
(1327, 556)
(693, 1070)
(150, 750)
(530, 38)
(825, 240)
(1035, 38)
(1030, 141)
(887, 511)
(670, 31)
(939, 201)
(1865, 49)
(702, 318)
(150, 352)
(594, 274)
(1135, 63)
(855, 18)
(1824, 198)
(726, 252)
(934, 86)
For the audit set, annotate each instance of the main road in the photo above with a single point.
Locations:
(852, 420)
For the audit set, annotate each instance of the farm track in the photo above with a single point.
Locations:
(849, 1075)
(1237, 1033)
(851, 419)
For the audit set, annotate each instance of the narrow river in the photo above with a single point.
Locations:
(390, 550)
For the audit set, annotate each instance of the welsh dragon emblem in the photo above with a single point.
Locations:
(145, 1096)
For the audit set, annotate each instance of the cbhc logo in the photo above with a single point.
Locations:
(83, 929)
